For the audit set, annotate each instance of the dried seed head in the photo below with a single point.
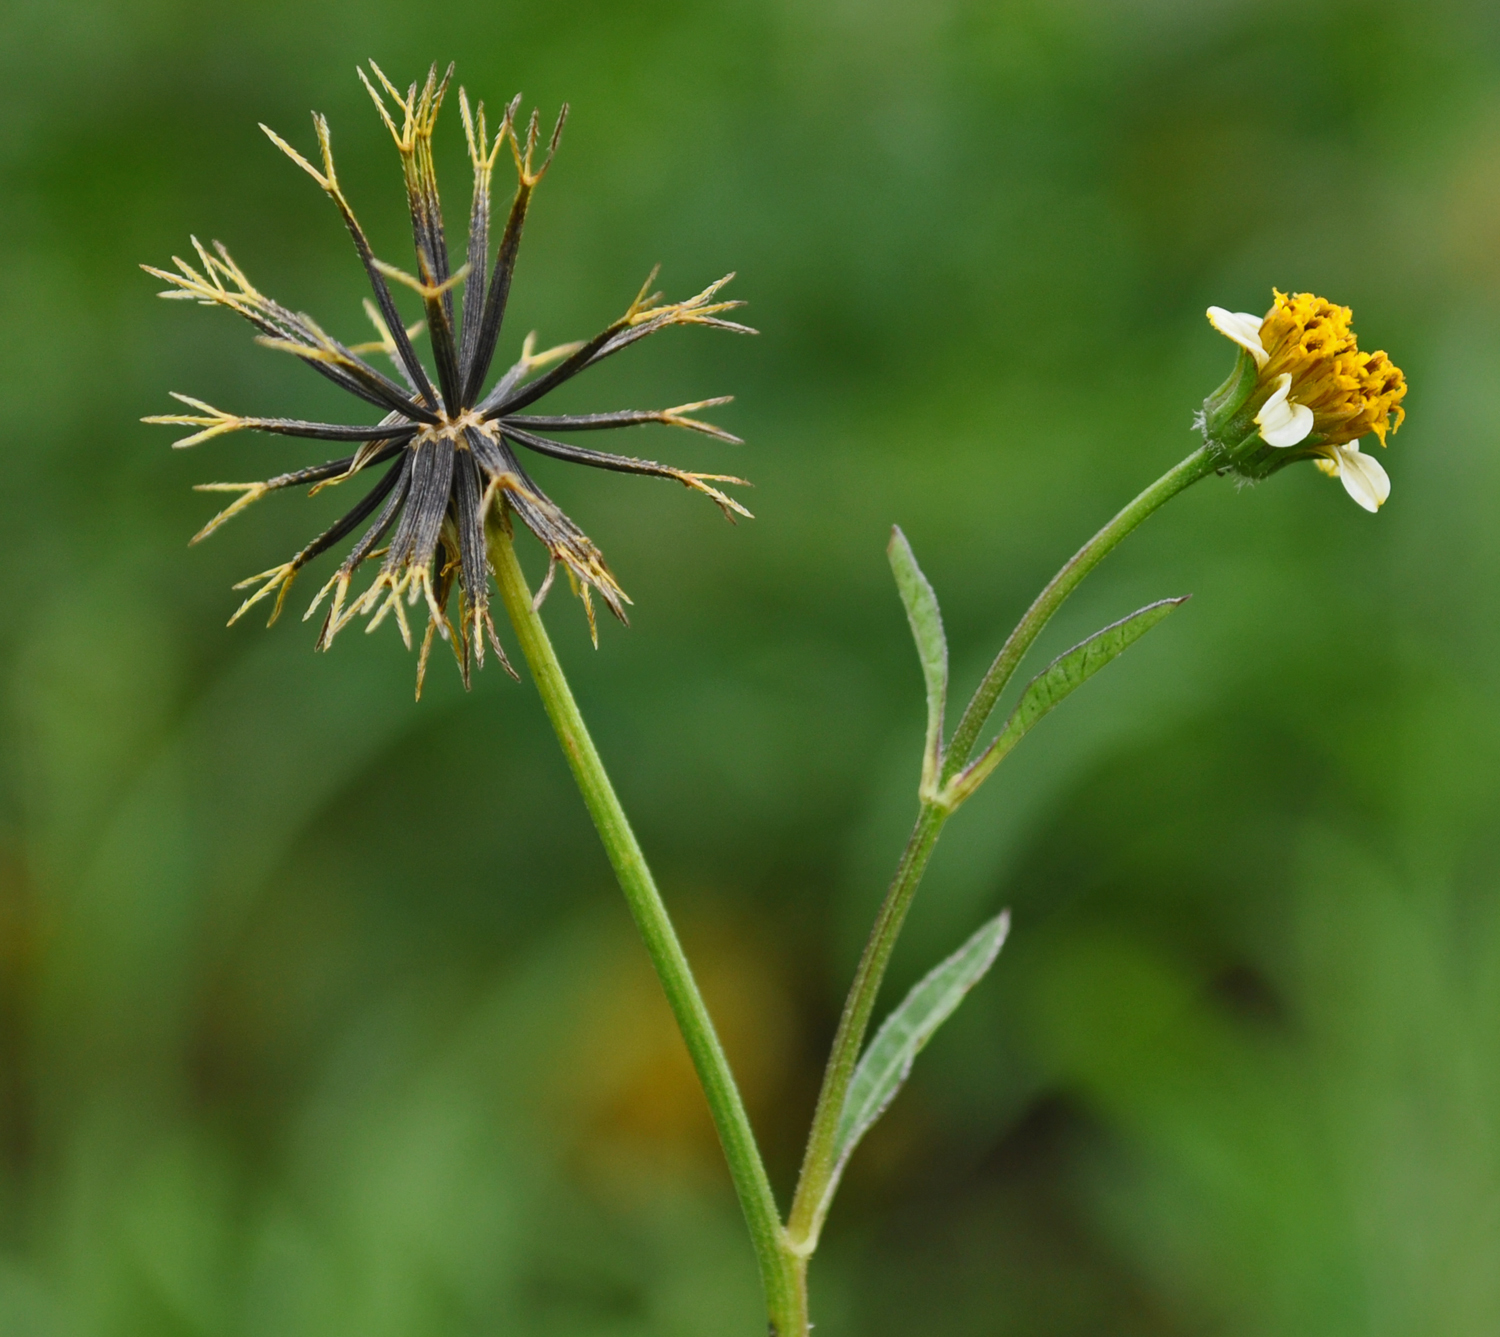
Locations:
(445, 453)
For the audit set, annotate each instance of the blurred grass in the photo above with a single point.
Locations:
(319, 1012)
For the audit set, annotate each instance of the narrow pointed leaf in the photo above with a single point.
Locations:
(1071, 670)
(886, 1063)
(1062, 676)
(932, 646)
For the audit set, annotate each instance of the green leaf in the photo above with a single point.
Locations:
(1064, 675)
(886, 1063)
(1071, 670)
(932, 646)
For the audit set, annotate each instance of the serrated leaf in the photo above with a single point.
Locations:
(1064, 675)
(1071, 670)
(932, 646)
(886, 1063)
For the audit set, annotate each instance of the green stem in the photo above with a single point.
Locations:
(781, 1269)
(1197, 465)
(810, 1205)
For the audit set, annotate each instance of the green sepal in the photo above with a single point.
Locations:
(1222, 407)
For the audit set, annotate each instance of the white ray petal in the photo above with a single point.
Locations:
(1282, 421)
(1363, 476)
(1243, 328)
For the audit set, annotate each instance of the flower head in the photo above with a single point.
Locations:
(1303, 390)
(446, 450)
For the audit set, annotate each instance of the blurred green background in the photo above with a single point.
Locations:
(319, 1011)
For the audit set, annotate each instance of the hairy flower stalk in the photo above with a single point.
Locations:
(1303, 390)
(446, 450)
(1300, 390)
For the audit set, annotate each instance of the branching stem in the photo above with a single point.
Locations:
(809, 1206)
(783, 1252)
(1197, 465)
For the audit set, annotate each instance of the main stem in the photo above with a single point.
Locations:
(819, 1161)
(781, 1269)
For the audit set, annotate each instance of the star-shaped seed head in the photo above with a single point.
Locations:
(445, 455)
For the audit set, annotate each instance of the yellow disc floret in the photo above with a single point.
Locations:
(1349, 392)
